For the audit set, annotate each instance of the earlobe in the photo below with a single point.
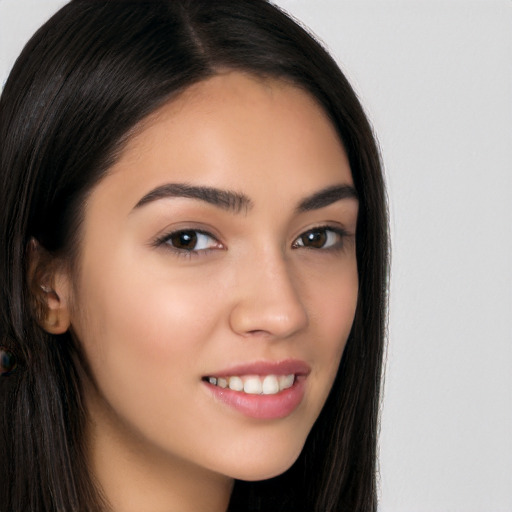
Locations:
(50, 291)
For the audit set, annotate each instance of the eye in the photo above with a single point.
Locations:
(190, 240)
(321, 238)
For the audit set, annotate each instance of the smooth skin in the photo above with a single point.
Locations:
(172, 289)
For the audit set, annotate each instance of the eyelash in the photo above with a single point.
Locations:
(327, 231)
(165, 241)
(338, 232)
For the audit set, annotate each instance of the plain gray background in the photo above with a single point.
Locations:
(436, 80)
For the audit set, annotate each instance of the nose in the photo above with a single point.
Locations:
(268, 302)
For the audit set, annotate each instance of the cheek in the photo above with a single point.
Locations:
(339, 312)
(145, 342)
(332, 310)
(143, 327)
(333, 298)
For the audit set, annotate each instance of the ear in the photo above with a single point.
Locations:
(49, 284)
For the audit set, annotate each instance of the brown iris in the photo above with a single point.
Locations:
(183, 240)
(316, 239)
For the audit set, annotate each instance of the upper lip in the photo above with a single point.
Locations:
(285, 367)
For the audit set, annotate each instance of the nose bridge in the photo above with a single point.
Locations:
(269, 302)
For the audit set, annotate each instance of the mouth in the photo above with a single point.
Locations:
(265, 390)
(254, 384)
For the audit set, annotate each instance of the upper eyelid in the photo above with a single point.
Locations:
(192, 226)
(339, 230)
(169, 234)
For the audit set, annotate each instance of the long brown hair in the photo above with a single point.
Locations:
(85, 79)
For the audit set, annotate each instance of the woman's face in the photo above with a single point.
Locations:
(218, 251)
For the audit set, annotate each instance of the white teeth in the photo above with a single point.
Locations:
(252, 385)
(236, 384)
(286, 381)
(255, 384)
(270, 385)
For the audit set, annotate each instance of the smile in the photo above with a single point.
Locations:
(254, 384)
(263, 390)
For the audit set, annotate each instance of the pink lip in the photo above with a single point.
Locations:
(266, 407)
(286, 367)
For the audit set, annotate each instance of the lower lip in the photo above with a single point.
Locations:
(264, 407)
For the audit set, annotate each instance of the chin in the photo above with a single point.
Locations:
(266, 466)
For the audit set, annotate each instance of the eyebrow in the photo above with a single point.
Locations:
(236, 202)
(225, 199)
(326, 197)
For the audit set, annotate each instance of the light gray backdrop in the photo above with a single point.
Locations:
(436, 79)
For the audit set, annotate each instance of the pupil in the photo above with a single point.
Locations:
(315, 239)
(185, 240)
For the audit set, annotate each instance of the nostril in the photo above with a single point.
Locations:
(258, 332)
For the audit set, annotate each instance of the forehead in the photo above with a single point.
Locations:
(239, 131)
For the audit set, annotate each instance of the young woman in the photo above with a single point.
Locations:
(193, 266)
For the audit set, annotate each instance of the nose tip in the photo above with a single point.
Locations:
(269, 305)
